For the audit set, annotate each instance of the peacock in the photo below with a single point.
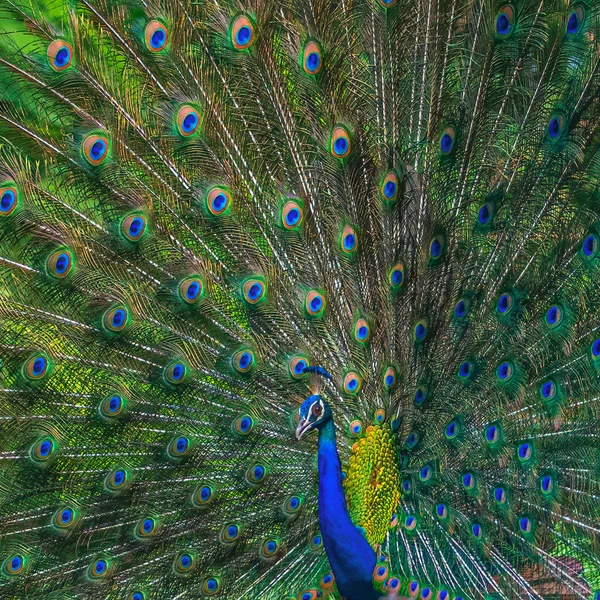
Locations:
(299, 299)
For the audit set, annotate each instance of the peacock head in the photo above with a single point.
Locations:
(313, 414)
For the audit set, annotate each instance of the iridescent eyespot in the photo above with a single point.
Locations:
(36, 367)
(137, 595)
(362, 331)
(292, 505)
(327, 581)
(505, 20)
(524, 452)
(412, 440)
(296, 367)
(486, 213)
(453, 430)
(156, 36)
(556, 126)
(256, 474)
(576, 20)
(426, 593)
(312, 59)
(420, 331)
(175, 372)
(133, 227)
(115, 319)
(99, 568)
(590, 246)
(243, 425)
(407, 486)
(392, 584)
(352, 383)
(421, 395)
(340, 144)
(95, 149)
(595, 349)
(9, 200)
(356, 427)
(379, 416)
(145, 528)
(308, 595)
(203, 496)
(64, 518)
(184, 562)
(425, 473)
(548, 390)
(14, 564)
(380, 573)
(477, 531)
(269, 549)
(218, 200)
(253, 290)
(396, 276)
(442, 595)
(393, 523)
(59, 264)
(117, 480)
(188, 121)
(554, 315)
(211, 586)
(500, 495)
(111, 406)
(191, 289)
(492, 434)
(316, 542)
(349, 240)
(469, 481)
(410, 523)
(437, 247)
(315, 303)
(525, 525)
(504, 304)
(441, 511)
(179, 446)
(242, 33)
(413, 588)
(447, 140)
(243, 361)
(389, 378)
(504, 372)
(389, 187)
(462, 308)
(291, 215)
(60, 55)
(466, 369)
(547, 485)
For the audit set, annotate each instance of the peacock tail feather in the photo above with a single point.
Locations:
(199, 200)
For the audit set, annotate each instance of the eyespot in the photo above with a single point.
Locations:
(447, 140)
(505, 20)
(115, 319)
(36, 367)
(590, 245)
(95, 149)
(441, 511)
(349, 241)
(14, 564)
(315, 303)
(389, 378)
(312, 59)
(242, 33)
(393, 523)
(524, 452)
(407, 486)
(548, 390)
(191, 289)
(218, 200)
(309, 595)
(379, 415)
(389, 187)
(486, 213)
(99, 568)
(500, 495)
(453, 430)
(410, 523)
(443, 595)
(316, 542)
(425, 473)
(352, 383)
(380, 573)
(396, 276)
(412, 440)
(469, 481)
(595, 349)
(179, 446)
(243, 425)
(462, 308)
(269, 549)
(133, 227)
(362, 331)
(254, 290)
(156, 36)
(413, 588)
(60, 55)
(188, 121)
(340, 145)
(203, 496)
(420, 331)
(175, 372)
(111, 406)
(59, 263)
(184, 562)
(117, 480)
(392, 584)
(525, 525)
(9, 200)
(145, 528)
(292, 505)
(327, 581)
(505, 304)
(291, 215)
(504, 372)
(421, 395)
(554, 315)
(137, 595)
(466, 369)
(426, 593)
(296, 367)
(243, 361)
(477, 531)
(395, 425)
(547, 485)
(576, 20)
(437, 247)
(356, 427)
(493, 434)
(556, 126)
(211, 586)
(256, 474)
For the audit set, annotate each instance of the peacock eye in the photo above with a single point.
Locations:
(317, 410)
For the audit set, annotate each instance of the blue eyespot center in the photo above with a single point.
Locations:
(313, 61)
(177, 372)
(524, 451)
(62, 57)
(62, 263)
(397, 276)
(548, 389)
(190, 122)
(98, 149)
(193, 290)
(554, 128)
(66, 515)
(461, 309)
(484, 214)
(573, 23)
(136, 226)
(7, 201)
(100, 566)
(546, 483)
(119, 477)
(349, 241)
(181, 444)
(158, 38)
(340, 145)
(441, 510)
(476, 530)
(316, 303)
(245, 360)
(39, 364)
(219, 202)
(205, 493)
(389, 189)
(245, 423)
(211, 584)
(389, 380)
(148, 525)
(499, 494)
(294, 502)
(16, 563)
(185, 561)
(255, 291)
(503, 24)
(243, 35)
(491, 433)
(465, 369)
(451, 429)
(259, 472)
(503, 303)
(436, 248)
(596, 348)
(446, 143)
(420, 331)
(293, 216)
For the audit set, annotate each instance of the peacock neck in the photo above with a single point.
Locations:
(351, 557)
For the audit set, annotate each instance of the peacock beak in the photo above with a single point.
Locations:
(303, 427)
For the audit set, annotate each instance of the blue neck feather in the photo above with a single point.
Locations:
(351, 557)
